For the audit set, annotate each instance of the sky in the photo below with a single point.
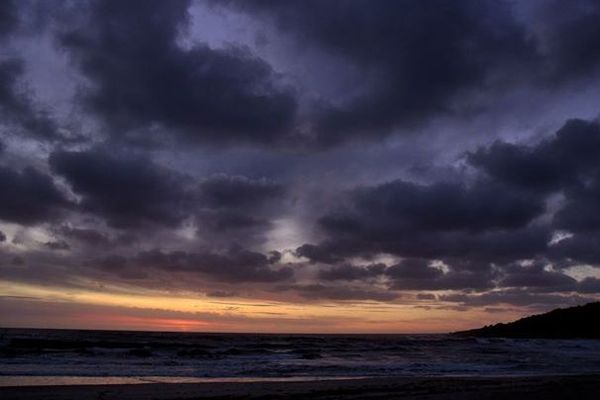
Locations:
(297, 166)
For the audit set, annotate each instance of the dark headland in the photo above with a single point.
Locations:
(580, 322)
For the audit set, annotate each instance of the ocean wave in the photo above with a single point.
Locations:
(105, 353)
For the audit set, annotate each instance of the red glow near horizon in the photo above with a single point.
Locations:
(145, 323)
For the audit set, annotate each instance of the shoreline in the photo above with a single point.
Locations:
(50, 380)
(551, 387)
(83, 380)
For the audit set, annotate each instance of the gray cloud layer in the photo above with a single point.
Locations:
(230, 168)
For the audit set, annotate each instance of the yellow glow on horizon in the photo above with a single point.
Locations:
(189, 313)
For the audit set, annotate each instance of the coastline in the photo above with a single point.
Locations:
(551, 387)
(48, 380)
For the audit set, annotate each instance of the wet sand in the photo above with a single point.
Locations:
(580, 387)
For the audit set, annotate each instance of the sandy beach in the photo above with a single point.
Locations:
(579, 387)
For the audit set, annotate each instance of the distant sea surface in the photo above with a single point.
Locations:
(31, 356)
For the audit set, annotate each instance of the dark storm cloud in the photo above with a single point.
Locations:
(430, 221)
(494, 219)
(129, 190)
(227, 221)
(207, 95)
(87, 236)
(536, 276)
(44, 265)
(57, 245)
(347, 272)
(112, 262)
(420, 54)
(236, 265)
(415, 274)
(237, 208)
(120, 267)
(516, 297)
(9, 18)
(589, 285)
(571, 36)
(55, 264)
(17, 108)
(581, 248)
(29, 197)
(2, 237)
(238, 192)
(327, 253)
(464, 273)
(414, 269)
(221, 227)
(419, 60)
(567, 162)
(342, 293)
(126, 189)
(519, 165)
(412, 274)
(465, 280)
(548, 166)
(228, 95)
(400, 207)
(494, 246)
(581, 212)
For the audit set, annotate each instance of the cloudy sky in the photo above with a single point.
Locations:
(304, 166)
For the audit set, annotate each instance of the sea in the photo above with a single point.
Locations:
(36, 356)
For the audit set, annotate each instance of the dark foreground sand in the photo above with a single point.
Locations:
(548, 388)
